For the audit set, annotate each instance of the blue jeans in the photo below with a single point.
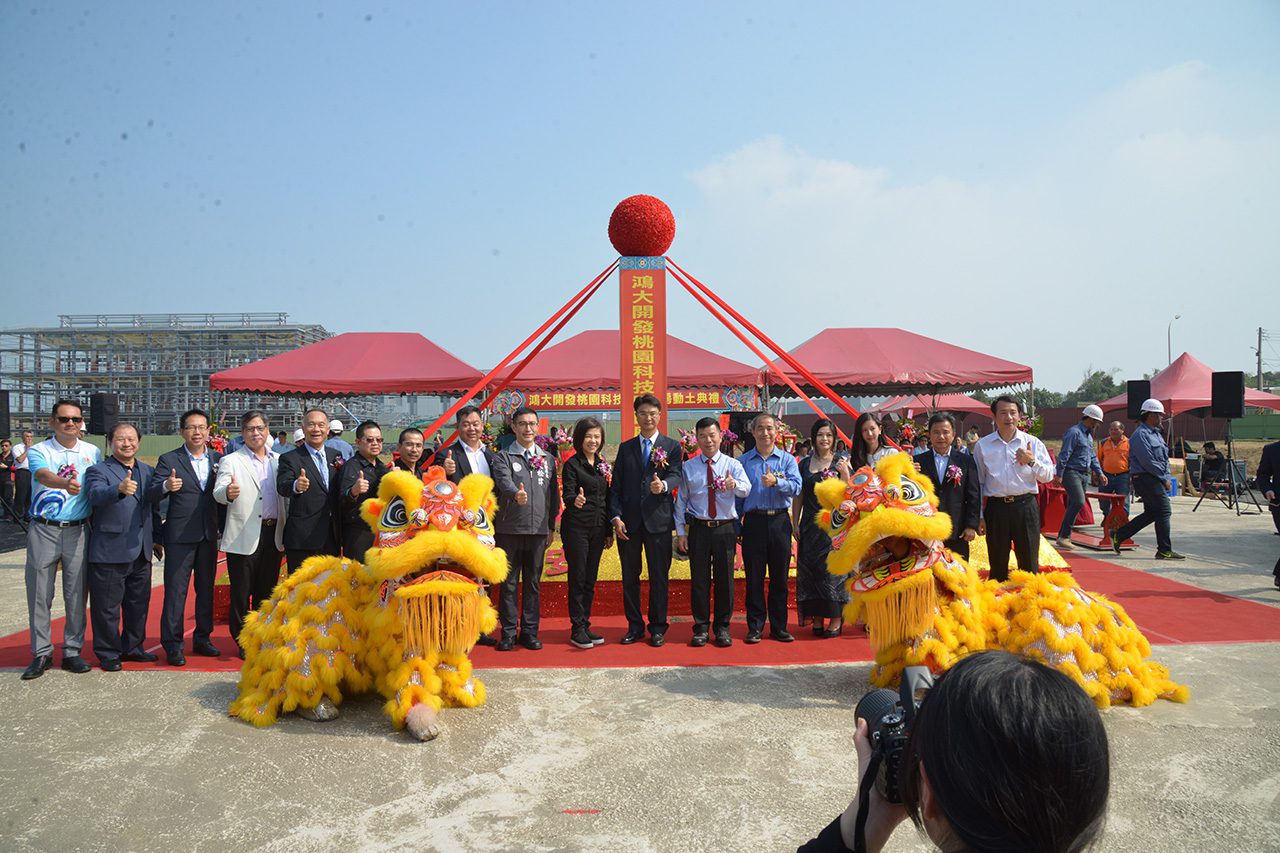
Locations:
(1155, 508)
(1075, 482)
(1117, 484)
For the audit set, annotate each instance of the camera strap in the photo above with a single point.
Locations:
(867, 782)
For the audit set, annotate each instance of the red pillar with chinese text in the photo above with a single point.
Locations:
(642, 335)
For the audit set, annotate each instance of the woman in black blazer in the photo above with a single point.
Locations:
(585, 529)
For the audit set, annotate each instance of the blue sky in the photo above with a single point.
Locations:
(1050, 183)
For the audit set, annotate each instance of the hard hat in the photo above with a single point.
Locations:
(1152, 405)
(1092, 411)
(298, 435)
(335, 425)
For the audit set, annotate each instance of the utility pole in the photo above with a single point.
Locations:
(1259, 358)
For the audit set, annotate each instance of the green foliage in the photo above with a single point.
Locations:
(1097, 385)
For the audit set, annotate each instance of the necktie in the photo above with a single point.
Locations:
(646, 445)
(322, 465)
(711, 491)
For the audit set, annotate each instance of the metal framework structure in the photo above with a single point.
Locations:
(157, 364)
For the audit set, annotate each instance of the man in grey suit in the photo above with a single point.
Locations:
(121, 543)
(185, 477)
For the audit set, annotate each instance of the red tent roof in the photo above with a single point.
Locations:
(1188, 384)
(589, 361)
(893, 361)
(353, 364)
(933, 403)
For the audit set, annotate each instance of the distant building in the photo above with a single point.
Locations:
(158, 365)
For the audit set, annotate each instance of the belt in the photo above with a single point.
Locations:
(268, 522)
(37, 519)
(712, 522)
(766, 511)
(1010, 499)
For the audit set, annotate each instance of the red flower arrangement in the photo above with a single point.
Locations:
(641, 227)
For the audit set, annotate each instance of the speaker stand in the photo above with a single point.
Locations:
(8, 507)
(1237, 486)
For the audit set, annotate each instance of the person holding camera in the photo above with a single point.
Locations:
(1002, 753)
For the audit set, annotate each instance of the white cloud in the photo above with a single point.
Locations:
(1149, 205)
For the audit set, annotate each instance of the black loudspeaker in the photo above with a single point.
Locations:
(5, 426)
(1228, 394)
(1139, 393)
(104, 411)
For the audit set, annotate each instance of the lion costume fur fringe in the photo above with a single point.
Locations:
(402, 622)
(926, 606)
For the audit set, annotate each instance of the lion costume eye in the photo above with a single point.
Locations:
(910, 490)
(394, 515)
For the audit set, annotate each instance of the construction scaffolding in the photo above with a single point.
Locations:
(158, 365)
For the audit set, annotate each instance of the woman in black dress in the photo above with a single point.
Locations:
(820, 596)
(585, 530)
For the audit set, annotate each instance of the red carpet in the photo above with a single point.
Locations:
(1168, 612)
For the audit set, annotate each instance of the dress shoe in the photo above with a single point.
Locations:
(204, 648)
(782, 636)
(818, 630)
(176, 658)
(723, 640)
(75, 663)
(531, 643)
(657, 640)
(596, 639)
(486, 640)
(631, 637)
(753, 637)
(110, 665)
(38, 665)
(506, 644)
(580, 640)
(698, 641)
(140, 657)
(832, 633)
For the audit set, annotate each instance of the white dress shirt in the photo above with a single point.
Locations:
(999, 471)
(479, 465)
(694, 491)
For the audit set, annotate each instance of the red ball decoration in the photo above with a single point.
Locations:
(642, 227)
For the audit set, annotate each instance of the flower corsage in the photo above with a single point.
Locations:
(659, 457)
(954, 474)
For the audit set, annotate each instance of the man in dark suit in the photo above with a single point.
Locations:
(185, 477)
(646, 473)
(1268, 482)
(955, 479)
(308, 477)
(467, 455)
(358, 482)
(121, 543)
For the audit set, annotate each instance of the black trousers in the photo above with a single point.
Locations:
(657, 553)
(356, 540)
(958, 546)
(181, 561)
(22, 492)
(253, 577)
(525, 553)
(119, 590)
(1018, 524)
(711, 575)
(582, 549)
(766, 547)
(6, 492)
(294, 557)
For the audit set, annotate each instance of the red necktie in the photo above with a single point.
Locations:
(711, 491)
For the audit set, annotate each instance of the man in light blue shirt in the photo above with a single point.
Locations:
(706, 513)
(766, 528)
(1149, 468)
(60, 511)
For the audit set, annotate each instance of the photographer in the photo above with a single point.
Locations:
(1004, 754)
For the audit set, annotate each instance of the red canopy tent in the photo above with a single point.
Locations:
(918, 404)
(1187, 384)
(587, 365)
(354, 364)
(893, 361)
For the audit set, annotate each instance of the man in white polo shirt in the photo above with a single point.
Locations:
(59, 532)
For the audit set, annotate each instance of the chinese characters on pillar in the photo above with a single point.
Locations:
(642, 338)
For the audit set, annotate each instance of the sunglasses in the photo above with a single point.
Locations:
(67, 419)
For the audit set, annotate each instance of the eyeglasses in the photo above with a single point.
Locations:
(526, 424)
(195, 428)
(68, 419)
(255, 429)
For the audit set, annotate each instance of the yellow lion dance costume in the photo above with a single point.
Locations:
(403, 622)
(924, 606)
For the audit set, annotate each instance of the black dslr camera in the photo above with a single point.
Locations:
(889, 716)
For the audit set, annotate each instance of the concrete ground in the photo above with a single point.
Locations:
(601, 759)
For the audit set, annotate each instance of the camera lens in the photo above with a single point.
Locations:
(874, 706)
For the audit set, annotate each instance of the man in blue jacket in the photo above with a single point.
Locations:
(1149, 468)
(1076, 461)
(121, 542)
